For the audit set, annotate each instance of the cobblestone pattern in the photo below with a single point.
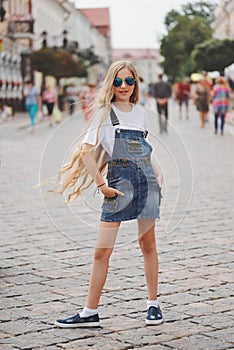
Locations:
(46, 247)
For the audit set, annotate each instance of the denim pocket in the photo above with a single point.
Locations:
(134, 146)
(110, 204)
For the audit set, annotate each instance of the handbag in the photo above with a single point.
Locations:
(57, 115)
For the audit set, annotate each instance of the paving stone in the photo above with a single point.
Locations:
(47, 249)
(198, 342)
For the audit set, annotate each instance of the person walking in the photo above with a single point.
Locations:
(72, 97)
(162, 92)
(49, 97)
(202, 100)
(86, 99)
(116, 138)
(220, 99)
(182, 94)
(143, 92)
(32, 100)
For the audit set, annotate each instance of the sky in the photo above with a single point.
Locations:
(136, 23)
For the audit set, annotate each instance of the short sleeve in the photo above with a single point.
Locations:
(91, 134)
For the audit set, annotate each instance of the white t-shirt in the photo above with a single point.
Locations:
(136, 119)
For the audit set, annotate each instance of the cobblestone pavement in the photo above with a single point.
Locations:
(47, 245)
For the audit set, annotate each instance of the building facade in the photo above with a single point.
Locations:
(16, 37)
(28, 24)
(146, 61)
(223, 24)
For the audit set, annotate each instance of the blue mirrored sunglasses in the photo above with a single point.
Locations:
(129, 81)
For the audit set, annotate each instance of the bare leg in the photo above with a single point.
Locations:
(147, 242)
(187, 109)
(202, 117)
(180, 110)
(104, 247)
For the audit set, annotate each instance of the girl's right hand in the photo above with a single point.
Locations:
(110, 191)
(160, 180)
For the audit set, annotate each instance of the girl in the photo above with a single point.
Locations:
(116, 137)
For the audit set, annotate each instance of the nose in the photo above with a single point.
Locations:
(123, 83)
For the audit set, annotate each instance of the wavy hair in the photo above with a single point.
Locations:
(74, 176)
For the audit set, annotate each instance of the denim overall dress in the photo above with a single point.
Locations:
(131, 172)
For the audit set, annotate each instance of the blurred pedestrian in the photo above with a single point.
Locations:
(72, 97)
(182, 94)
(116, 137)
(201, 100)
(162, 92)
(49, 98)
(220, 99)
(143, 92)
(32, 100)
(87, 97)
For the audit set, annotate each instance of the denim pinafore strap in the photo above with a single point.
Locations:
(130, 171)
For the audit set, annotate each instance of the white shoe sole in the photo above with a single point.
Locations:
(153, 322)
(77, 325)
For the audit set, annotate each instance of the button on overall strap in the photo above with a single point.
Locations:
(114, 118)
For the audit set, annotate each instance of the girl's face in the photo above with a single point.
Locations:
(124, 91)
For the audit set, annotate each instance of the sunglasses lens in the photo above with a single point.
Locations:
(130, 81)
(117, 82)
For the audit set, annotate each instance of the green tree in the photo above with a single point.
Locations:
(177, 46)
(202, 9)
(57, 63)
(186, 29)
(213, 55)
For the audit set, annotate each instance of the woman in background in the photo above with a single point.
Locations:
(220, 99)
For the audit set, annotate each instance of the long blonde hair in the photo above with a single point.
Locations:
(77, 177)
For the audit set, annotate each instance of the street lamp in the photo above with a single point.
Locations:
(65, 41)
(44, 36)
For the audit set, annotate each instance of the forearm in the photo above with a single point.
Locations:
(91, 165)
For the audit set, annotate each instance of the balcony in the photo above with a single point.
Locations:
(20, 27)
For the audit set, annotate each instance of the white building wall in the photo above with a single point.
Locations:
(49, 16)
(223, 25)
(80, 30)
(78, 27)
(147, 63)
(148, 69)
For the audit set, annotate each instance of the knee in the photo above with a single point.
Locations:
(102, 254)
(147, 247)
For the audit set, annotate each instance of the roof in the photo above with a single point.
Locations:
(99, 18)
(135, 54)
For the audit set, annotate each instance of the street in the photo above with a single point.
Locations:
(47, 245)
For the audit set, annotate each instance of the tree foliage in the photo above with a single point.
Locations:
(186, 29)
(57, 63)
(177, 46)
(202, 9)
(213, 55)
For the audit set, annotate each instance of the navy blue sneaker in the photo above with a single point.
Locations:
(154, 316)
(77, 321)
